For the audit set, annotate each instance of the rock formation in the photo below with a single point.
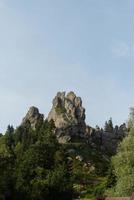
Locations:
(68, 116)
(33, 118)
(105, 141)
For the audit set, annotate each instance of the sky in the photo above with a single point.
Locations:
(85, 46)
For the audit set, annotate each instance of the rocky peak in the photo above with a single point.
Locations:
(67, 113)
(65, 109)
(33, 118)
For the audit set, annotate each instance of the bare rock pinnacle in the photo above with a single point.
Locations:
(33, 118)
(68, 115)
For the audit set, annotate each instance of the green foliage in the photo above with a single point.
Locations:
(60, 109)
(38, 174)
(34, 166)
(6, 177)
(111, 178)
(123, 164)
(109, 126)
(131, 118)
(9, 139)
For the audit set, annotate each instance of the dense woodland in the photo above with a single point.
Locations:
(35, 166)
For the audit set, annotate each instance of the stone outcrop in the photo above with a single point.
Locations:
(68, 116)
(107, 142)
(33, 118)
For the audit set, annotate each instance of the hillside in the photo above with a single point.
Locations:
(57, 157)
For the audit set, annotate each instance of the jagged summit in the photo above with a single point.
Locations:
(33, 118)
(68, 114)
(65, 109)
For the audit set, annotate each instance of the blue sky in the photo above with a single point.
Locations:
(48, 46)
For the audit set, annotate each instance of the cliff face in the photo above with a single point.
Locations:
(68, 116)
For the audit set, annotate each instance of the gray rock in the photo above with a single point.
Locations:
(33, 118)
(68, 116)
(107, 142)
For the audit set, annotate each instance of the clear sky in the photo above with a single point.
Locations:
(48, 46)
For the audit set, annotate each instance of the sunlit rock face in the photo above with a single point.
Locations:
(33, 118)
(68, 115)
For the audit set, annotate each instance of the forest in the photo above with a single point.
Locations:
(34, 165)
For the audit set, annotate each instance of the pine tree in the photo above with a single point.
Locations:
(109, 126)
